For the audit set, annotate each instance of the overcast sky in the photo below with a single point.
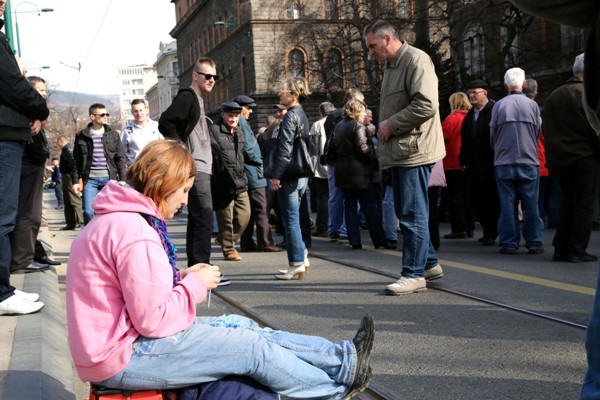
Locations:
(99, 34)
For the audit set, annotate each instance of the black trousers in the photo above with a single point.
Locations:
(575, 227)
(29, 216)
(58, 191)
(322, 195)
(485, 202)
(459, 207)
(200, 221)
(258, 217)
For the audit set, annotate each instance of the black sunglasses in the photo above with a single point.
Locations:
(208, 76)
(103, 115)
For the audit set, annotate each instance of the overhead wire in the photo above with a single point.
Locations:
(81, 64)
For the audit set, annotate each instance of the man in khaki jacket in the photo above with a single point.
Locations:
(411, 141)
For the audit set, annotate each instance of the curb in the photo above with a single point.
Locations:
(40, 366)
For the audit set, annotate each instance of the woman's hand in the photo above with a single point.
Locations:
(210, 274)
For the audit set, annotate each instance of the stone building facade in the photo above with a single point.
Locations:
(257, 42)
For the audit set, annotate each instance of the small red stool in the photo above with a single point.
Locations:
(97, 393)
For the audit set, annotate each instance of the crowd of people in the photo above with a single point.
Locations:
(486, 161)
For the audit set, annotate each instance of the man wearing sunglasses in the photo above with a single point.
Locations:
(185, 120)
(99, 157)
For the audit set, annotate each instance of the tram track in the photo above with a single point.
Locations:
(371, 393)
(479, 299)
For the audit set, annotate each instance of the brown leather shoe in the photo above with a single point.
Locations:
(271, 249)
(233, 256)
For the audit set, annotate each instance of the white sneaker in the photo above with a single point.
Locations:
(406, 285)
(18, 305)
(28, 296)
(434, 273)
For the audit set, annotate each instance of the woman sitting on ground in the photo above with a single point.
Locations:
(132, 315)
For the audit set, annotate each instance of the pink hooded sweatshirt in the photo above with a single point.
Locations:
(120, 285)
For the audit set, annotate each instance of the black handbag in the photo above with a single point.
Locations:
(304, 157)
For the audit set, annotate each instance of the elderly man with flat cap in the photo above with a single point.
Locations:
(477, 160)
(257, 185)
(229, 182)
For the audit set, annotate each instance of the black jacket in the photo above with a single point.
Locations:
(476, 152)
(66, 163)
(19, 101)
(354, 155)
(179, 120)
(295, 122)
(228, 177)
(113, 151)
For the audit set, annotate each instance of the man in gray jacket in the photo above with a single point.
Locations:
(411, 141)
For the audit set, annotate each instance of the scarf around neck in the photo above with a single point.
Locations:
(161, 228)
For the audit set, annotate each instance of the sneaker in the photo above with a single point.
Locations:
(18, 305)
(343, 240)
(507, 250)
(406, 285)
(28, 296)
(224, 281)
(434, 273)
(306, 260)
(363, 342)
(334, 237)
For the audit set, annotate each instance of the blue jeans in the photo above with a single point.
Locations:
(294, 365)
(290, 195)
(11, 154)
(336, 223)
(412, 209)
(90, 190)
(519, 182)
(390, 221)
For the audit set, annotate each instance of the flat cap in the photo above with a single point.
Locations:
(231, 106)
(244, 100)
(279, 106)
(477, 83)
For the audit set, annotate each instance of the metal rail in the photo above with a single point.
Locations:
(371, 393)
(432, 285)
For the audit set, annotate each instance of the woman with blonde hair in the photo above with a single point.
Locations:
(291, 189)
(459, 209)
(132, 314)
(353, 153)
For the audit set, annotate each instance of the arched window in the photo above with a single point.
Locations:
(474, 50)
(296, 63)
(334, 68)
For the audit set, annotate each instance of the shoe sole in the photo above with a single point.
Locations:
(434, 277)
(391, 292)
(366, 355)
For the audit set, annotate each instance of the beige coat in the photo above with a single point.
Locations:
(409, 100)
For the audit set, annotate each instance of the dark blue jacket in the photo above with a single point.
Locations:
(253, 162)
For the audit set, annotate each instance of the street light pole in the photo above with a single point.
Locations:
(16, 12)
(8, 26)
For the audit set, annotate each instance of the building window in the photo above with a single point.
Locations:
(405, 9)
(572, 40)
(474, 50)
(292, 9)
(331, 9)
(334, 73)
(296, 63)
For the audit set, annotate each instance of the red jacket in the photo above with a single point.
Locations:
(541, 147)
(451, 127)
